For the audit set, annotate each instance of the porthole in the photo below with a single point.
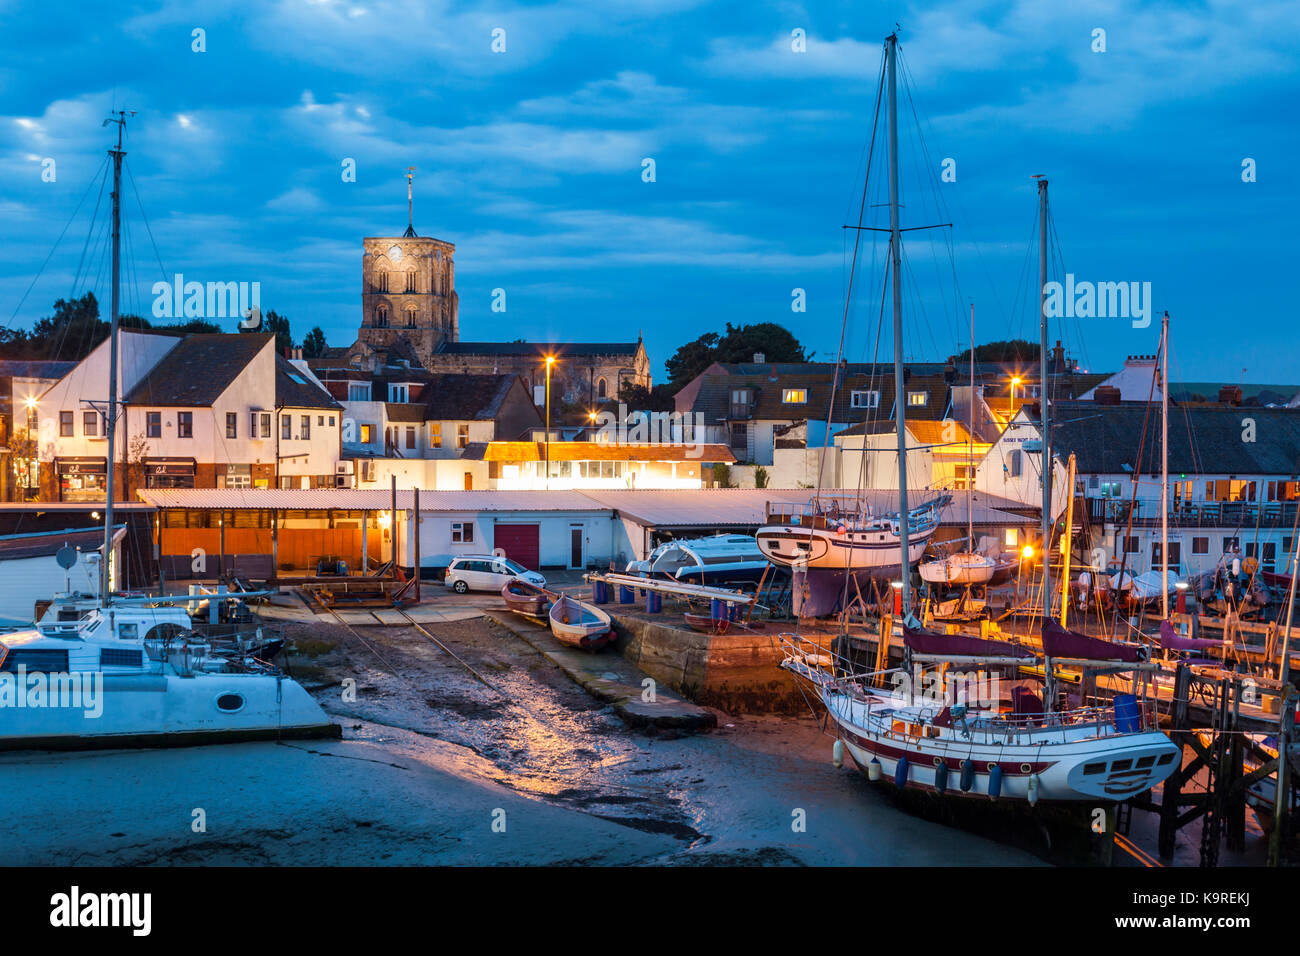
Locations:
(1025, 768)
(991, 766)
(938, 761)
(230, 703)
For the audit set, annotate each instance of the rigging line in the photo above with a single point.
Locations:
(844, 323)
(90, 185)
(145, 219)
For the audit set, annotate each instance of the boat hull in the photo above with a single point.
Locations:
(959, 569)
(167, 710)
(580, 625)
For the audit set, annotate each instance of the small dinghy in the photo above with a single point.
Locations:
(579, 624)
(963, 568)
(706, 624)
(525, 598)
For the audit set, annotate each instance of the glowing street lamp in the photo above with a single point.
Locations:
(1014, 382)
(550, 360)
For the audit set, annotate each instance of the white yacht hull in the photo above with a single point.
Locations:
(960, 569)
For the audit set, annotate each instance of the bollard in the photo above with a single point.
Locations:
(625, 594)
(654, 602)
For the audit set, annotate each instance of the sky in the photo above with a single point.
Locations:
(532, 159)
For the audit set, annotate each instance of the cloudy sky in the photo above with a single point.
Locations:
(532, 161)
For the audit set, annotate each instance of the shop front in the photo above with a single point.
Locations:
(82, 479)
(169, 472)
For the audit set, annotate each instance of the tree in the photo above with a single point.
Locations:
(641, 399)
(738, 344)
(313, 346)
(277, 325)
(760, 477)
(1013, 350)
(722, 475)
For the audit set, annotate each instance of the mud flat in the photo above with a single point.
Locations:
(433, 763)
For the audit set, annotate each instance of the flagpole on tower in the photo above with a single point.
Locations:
(410, 202)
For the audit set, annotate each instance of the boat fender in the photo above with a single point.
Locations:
(874, 770)
(967, 775)
(941, 777)
(837, 754)
(900, 773)
(995, 782)
(1033, 789)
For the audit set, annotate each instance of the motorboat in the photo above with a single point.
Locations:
(963, 569)
(717, 559)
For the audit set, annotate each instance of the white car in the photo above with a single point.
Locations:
(487, 572)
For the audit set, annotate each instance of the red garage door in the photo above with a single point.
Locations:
(519, 541)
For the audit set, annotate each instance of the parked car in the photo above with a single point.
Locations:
(486, 572)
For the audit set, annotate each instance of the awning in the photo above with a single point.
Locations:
(81, 466)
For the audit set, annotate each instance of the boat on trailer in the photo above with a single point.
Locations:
(580, 624)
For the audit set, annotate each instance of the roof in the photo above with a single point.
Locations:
(293, 389)
(927, 432)
(34, 368)
(199, 369)
(516, 451)
(1253, 394)
(1202, 439)
(466, 397)
(46, 543)
(403, 411)
(768, 389)
(538, 348)
(677, 507)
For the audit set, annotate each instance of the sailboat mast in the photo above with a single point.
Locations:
(895, 243)
(110, 419)
(1044, 392)
(1164, 467)
(970, 445)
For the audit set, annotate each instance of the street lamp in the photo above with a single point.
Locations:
(1014, 382)
(550, 360)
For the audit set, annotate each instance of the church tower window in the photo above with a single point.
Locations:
(381, 316)
(601, 388)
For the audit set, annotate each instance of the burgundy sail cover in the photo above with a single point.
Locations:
(960, 645)
(1173, 641)
(1059, 642)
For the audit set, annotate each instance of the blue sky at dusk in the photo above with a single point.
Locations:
(531, 162)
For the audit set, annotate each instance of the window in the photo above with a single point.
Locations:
(399, 393)
(1231, 544)
(184, 424)
(153, 424)
(859, 398)
(232, 427)
(410, 286)
(961, 475)
(320, 421)
(917, 399)
(462, 436)
(410, 436)
(381, 313)
(1200, 546)
(383, 281)
(305, 433)
(740, 396)
(1011, 539)
(1013, 463)
(435, 434)
(65, 424)
(331, 421)
(266, 424)
(238, 481)
(1175, 555)
(739, 436)
(1131, 544)
(367, 433)
(286, 427)
(601, 388)
(90, 424)
(462, 532)
(794, 396)
(358, 391)
(1270, 554)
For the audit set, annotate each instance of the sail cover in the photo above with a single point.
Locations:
(960, 645)
(1173, 641)
(1059, 642)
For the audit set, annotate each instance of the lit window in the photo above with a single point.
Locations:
(435, 434)
(366, 432)
(794, 396)
(1012, 538)
(917, 399)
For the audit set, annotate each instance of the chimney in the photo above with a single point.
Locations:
(1230, 395)
(760, 358)
(1106, 395)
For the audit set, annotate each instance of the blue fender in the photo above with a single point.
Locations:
(900, 772)
(995, 782)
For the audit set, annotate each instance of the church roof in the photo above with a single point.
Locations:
(538, 348)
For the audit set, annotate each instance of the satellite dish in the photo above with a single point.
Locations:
(252, 320)
(66, 557)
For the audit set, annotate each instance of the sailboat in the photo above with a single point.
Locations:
(965, 568)
(1030, 750)
(121, 675)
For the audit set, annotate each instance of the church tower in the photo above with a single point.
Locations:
(408, 290)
